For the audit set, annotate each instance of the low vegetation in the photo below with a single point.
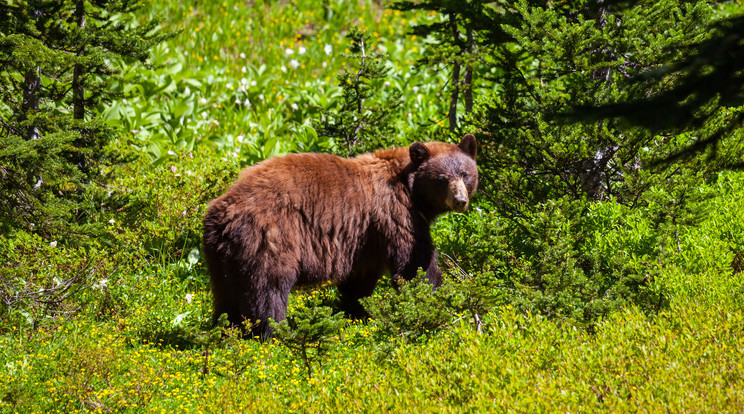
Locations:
(628, 297)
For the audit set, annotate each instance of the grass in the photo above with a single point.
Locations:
(685, 359)
(137, 337)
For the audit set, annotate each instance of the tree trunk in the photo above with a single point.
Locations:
(468, 77)
(78, 93)
(32, 81)
(454, 97)
(455, 79)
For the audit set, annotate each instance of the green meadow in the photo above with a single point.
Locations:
(643, 311)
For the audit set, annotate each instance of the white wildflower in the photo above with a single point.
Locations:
(328, 49)
(302, 50)
(294, 63)
(112, 221)
(289, 52)
(53, 244)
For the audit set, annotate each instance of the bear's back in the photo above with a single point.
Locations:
(308, 208)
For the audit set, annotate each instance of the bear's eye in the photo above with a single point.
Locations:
(465, 175)
(442, 178)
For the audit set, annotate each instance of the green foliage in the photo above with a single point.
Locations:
(158, 210)
(528, 157)
(575, 270)
(309, 332)
(412, 310)
(360, 124)
(55, 66)
(701, 92)
(554, 301)
(41, 280)
(462, 33)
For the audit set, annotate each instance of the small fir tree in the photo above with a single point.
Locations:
(309, 332)
(461, 35)
(56, 61)
(362, 122)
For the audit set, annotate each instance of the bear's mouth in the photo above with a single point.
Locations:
(458, 206)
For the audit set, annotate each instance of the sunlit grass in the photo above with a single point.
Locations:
(248, 76)
(242, 73)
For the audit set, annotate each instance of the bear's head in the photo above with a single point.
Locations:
(444, 176)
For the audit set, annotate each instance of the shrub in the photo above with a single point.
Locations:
(42, 280)
(310, 331)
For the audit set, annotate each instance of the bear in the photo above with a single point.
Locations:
(305, 219)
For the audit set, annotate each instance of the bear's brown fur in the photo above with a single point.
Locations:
(304, 219)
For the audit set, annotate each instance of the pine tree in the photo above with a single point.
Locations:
(538, 59)
(703, 90)
(588, 54)
(361, 123)
(462, 33)
(55, 67)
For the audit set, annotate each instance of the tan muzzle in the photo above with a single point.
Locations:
(457, 197)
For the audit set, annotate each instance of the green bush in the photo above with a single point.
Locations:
(553, 262)
(561, 305)
(310, 332)
(42, 281)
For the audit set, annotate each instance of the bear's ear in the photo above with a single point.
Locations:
(468, 145)
(419, 153)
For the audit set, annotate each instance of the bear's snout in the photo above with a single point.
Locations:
(457, 198)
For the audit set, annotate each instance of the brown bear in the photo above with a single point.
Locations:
(304, 219)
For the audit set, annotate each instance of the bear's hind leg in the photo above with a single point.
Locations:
(272, 303)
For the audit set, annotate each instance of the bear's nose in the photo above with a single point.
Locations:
(460, 204)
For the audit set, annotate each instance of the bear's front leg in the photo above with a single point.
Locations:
(424, 256)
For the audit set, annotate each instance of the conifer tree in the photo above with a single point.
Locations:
(541, 58)
(462, 33)
(56, 61)
(705, 88)
(361, 123)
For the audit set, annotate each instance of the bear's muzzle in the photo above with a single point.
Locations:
(457, 197)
